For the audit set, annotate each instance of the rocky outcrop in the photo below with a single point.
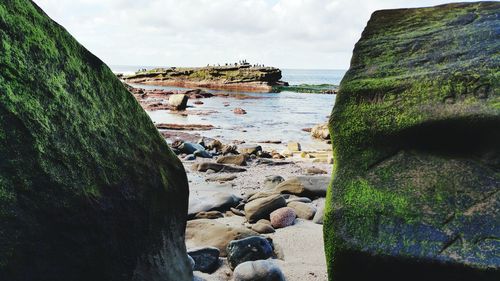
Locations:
(415, 132)
(88, 188)
(240, 77)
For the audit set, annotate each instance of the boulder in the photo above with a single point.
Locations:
(238, 160)
(302, 210)
(261, 270)
(178, 101)
(262, 207)
(248, 249)
(220, 201)
(209, 233)
(89, 190)
(283, 217)
(249, 149)
(321, 131)
(205, 259)
(320, 211)
(415, 133)
(309, 186)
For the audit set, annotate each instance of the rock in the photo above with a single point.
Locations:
(204, 233)
(211, 215)
(189, 157)
(263, 228)
(270, 182)
(261, 194)
(309, 186)
(287, 153)
(268, 222)
(315, 171)
(214, 144)
(191, 262)
(237, 212)
(221, 178)
(303, 210)
(261, 270)
(219, 201)
(88, 188)
(320, 210)
(415, 189)
(216, 167)
(248, 249)
(305, 155)
(178, 102)
(321, 131)
(229, 149)
(262, 207)
(198, 102)
(249, 149)
(206, 259)
(294, 198)
(238, 160)
(184, 127)
(240, 111)
(294, 146)
(283, 217)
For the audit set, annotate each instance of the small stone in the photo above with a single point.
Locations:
(261, 270)
(209, 215)
(315, 171)
(239, 160)
(303, 210)
(294, 146)
(240, 111)
(249, 149)
(248, 249)
(263, 228)
(206, 259)
(262, 207)
(271, 182)
(283, 217)
(189, 157)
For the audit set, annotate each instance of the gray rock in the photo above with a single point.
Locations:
(191, 262)
(262, 207)
(221, 178)
(261, 270)
(320, 211)
(294, 198)
(190, 157)
(248, 249)
(178, 102)
(206, 259)
(205, 166)
(219, 201)
(270, 182)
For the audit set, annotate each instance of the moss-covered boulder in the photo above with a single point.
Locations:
(416, 137)
(88, 188)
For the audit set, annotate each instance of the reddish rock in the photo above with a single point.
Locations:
(283, 217)
(239, 111)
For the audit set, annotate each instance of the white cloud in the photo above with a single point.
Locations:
(283, 33)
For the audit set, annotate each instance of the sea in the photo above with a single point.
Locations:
(271, 117)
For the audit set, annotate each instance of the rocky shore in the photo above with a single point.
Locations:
(239, 77)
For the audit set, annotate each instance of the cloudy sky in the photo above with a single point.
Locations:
(317, 34)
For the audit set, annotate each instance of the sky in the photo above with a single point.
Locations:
(301, 34)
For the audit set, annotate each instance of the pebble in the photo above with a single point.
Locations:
(283, 217)
(261, 270)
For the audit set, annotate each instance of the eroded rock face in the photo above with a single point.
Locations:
(88, 188)
(415, 132)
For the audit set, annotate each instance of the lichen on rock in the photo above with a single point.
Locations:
(415, 133)
(89, 190)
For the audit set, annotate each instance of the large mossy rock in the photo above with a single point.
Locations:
(88, 188)
(416, 138)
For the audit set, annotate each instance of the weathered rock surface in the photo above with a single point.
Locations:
(241, 77)
(262, 207)
(219, 201)
(205, 166)
(321, 131)
(208, 233)
(248, 249)
(262, 228)
(415, 132)
(303, 210)
(238, 160)
(283, 217)
(205, 259)
(261, 270)
(178, 101)
(249, 149)
(88, 188)
(309, 186)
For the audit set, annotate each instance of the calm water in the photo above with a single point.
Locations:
(275, 116)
